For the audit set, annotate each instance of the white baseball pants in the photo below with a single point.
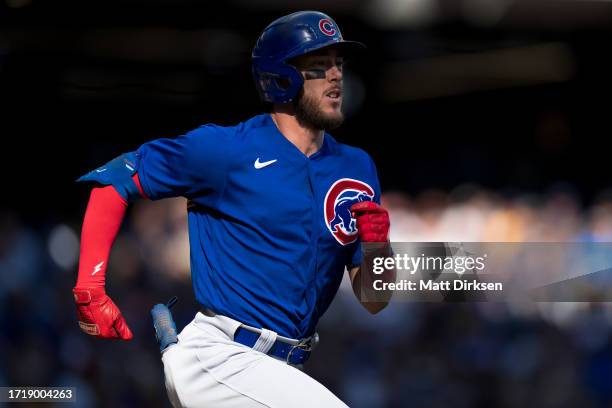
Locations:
(206, 368)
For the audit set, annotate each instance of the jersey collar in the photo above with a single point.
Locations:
(327, 147)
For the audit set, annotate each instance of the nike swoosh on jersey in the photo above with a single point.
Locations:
(260, 165)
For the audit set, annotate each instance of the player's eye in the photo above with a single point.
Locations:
(314, 74)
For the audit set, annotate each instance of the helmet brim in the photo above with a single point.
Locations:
(347, 49)
(350, 48)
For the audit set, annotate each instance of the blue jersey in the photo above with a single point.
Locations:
(270, 229)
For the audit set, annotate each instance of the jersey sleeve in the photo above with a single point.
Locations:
(192, 165)
(356, 255)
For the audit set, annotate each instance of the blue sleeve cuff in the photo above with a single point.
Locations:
(118, 173)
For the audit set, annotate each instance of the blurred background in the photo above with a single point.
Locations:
(487, 119)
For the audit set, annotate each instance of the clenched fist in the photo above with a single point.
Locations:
(372, 221)
(99, 316)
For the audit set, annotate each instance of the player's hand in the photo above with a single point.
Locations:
(99, 316)
(372, 221)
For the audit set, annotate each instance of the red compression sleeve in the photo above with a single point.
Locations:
(103, 217)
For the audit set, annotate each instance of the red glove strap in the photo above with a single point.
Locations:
(81, 296)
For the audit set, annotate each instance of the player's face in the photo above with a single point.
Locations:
(320, 102)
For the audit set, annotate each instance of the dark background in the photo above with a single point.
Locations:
(511, 96)
(517, 103)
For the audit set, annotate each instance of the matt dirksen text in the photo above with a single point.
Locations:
(406, 285)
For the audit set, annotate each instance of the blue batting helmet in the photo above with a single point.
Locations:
(288, 37)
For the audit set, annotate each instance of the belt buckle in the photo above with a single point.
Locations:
(292, 349)
(304, 344)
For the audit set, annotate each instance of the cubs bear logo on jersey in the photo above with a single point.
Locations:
(337, 207)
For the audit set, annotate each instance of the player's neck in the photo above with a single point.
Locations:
(308, 140)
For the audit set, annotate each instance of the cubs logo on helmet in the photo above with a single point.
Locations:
(327, 27)
(337, 208)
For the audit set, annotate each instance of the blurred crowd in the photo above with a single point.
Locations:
(411, 354)
(473, 214)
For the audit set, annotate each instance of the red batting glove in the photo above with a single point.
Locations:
(372, 221)
(98, 315)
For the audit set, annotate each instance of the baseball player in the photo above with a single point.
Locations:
(277, 209)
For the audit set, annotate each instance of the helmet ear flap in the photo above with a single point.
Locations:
(276, 82)
(283, 83)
